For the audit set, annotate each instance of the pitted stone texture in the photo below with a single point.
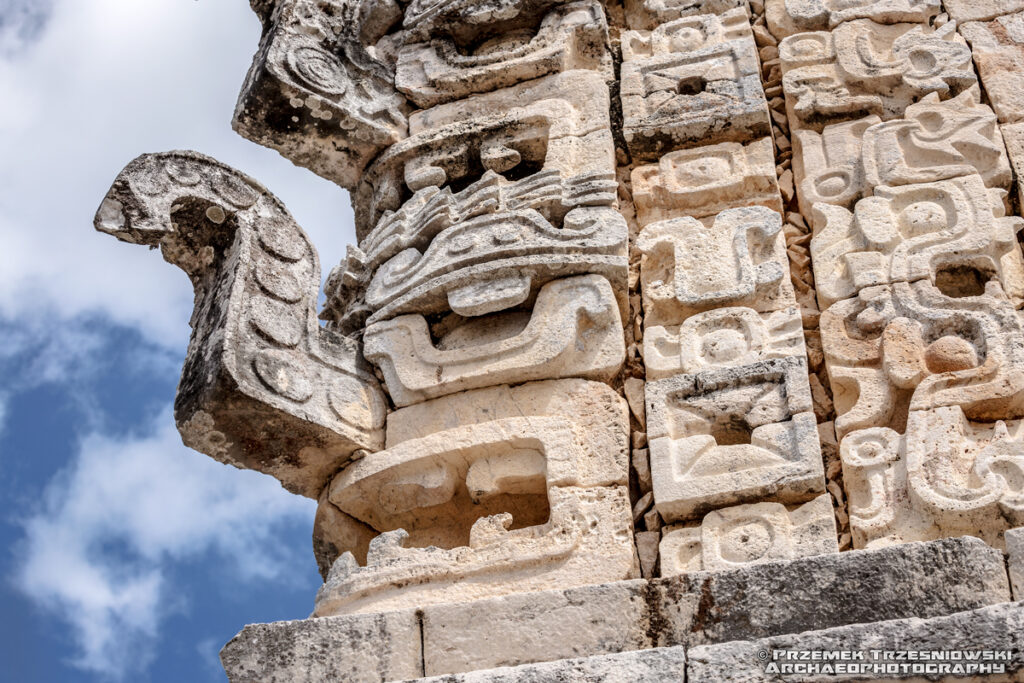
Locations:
(981, 10)
(993, 628)
(998, 48)
(334, 533)
(574, 330)
(905, 347)
(318, 93)
(703, 181)
(367, 647)
(692, 82)
(738, 435)
(722, 338)
(946, 476)
(738, 258)
(522, 489)
(750, 534)
(862, 68)
(455, 62)
(263, 387)
(786, 17)
(916, 232)
(1015, 561)
(935, 140)
(646, 15)
(1013, 135)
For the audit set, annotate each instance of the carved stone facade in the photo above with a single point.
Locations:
(641, 289)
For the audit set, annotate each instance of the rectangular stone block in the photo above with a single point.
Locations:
(786, 17)
(998, 628)
(365, 648)
(1015, 561)
(980, 10)
(998, 48)
(648, 14)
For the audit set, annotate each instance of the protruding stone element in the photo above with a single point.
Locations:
(453, 63)
(318, 92)
(863, 68)
(906, 347)
(264, 386)
(946, 477)
(981, 10)
(1015, 561)
(998, 48)
(750, 534)
(704, 181)
(335, 533)
(935, 140)
(507, 501)
(692, 82)
(786, 17)
(917, 232)
(736, 259)
(722, 338)
(574, 330)
(1013, 135)
(649, 14)
(738, 435)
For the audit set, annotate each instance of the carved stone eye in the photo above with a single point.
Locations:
(746, 540)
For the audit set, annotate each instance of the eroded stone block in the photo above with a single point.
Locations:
(648, 14)
(737, 435)
(786, 17)
(692, 82)
(317, 91)
(264, 387)
(1015, 561)
(1013, 136)
(738, 258)
(981, 10)
(946, 476)
(522, 494)
(862, 68)
(704, 181)
(935, 140)
(454, 63)
(905, 347)
(750, 534)
(998, 48)
(574, 330)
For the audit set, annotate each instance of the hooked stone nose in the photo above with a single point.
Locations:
(110, 217)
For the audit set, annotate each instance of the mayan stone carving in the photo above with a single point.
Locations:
(711, 292)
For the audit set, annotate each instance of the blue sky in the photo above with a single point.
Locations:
(125, 556)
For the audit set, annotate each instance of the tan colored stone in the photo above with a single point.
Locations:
(786, 17)
(750, 534)
(647, 550)
(998, 48)
(1015, 561)
(1013, 135)
(335, 533)
(649, 14)
(980, 10)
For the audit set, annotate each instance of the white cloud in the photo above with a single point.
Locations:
(158, 503)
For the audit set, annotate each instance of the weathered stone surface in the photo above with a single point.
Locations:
(736, 259)
(750, 534)
(946, 476)
(335, 532)
(692, 82)
(863, 68)
(1013, 135)
(993, 628)
(903, 347)
(737, 435)
(1015, 561)
(935, 140)
(518, 496)
(916, 232)
(648, 14)
(455, 63)
(998, 48)
(365, 647)
(721, 338)
(574, 330)
(318, 93)
(981, 10)
(263, 387)
(641, 666)
(703, 181)
(786, 17)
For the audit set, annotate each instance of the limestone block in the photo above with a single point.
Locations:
(786, 17)
(916, 232)
(946, 476)
(906, 347)
(574, 330)
(646, 15)
(519, 495)
(1015, 561)
(998, 48)
(472, 22)
(738, 258)
(1013, 135)
(335, 532)
(450, 65)
(935, 140)
(737, 435)
(264, 387)
(750, 534)
(722, 338)
(980, 10)
(692, 82)
(704, 181)
(997, 628)
(360, 648)
(318, 93)
(862, 68)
